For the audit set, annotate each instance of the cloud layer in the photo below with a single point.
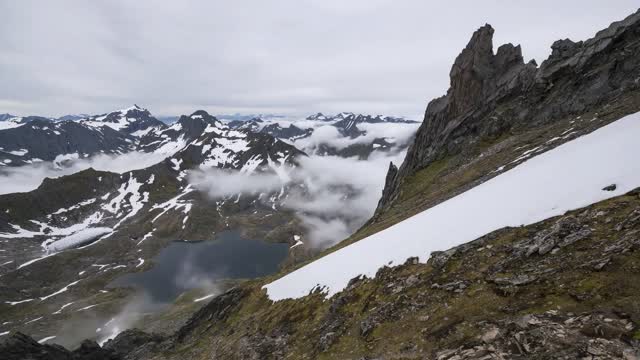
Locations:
(398, 134)
(261, 56)
(29, 177)
(339, 195)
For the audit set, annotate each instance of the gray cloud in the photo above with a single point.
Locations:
(340, 193)
(29, 177)
(292, 56)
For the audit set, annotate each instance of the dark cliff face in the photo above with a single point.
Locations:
(491, 93)
(18, 346)
(40, 139)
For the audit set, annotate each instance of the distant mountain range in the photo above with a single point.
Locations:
(32, 139)
(246, 117)
(360, 118)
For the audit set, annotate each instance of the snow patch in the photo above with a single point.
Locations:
(34, 320)
(44, 340)
(62, 308)
(59, 291)
(11, 123)
(204, 298)
(80, 238)
(13, 303)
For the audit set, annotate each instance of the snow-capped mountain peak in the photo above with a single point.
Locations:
(200, 139)
(132, 120)
(6, 116)
(8, 121)
(319, 116)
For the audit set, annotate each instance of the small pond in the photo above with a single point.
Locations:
(187, 265)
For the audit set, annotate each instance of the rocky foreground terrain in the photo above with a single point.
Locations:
(567, 287)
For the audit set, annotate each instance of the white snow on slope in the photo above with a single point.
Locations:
(123, 202)
(13, 303)
(52, 230)
(141, 133)
(62, 308)
(169, 147)
(204, 298)
(11, 123)
(74, 207)
(174, 203)
(34, 260)
(80, 238)
(34, 320)
(66, 288)
(116, 123)
(44, 340)
(568, 177)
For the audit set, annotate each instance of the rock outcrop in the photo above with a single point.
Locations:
(18, 346)
(492, 93)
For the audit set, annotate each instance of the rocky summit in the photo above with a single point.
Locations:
(511, 230)
(494, 94)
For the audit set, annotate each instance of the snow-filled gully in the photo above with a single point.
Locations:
(568, 177)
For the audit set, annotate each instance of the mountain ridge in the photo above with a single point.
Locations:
(491, 94)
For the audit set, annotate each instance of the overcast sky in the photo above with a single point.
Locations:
(293, 56)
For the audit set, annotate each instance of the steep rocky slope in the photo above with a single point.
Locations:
(37, 139)
(134, 121)
(493, 96)
(34, 139)
(562, 287)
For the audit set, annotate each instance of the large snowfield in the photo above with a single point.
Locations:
(568, 177)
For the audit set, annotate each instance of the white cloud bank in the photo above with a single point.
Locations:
(398, 134)
(339, 194)
(262, 56)
(29, 177)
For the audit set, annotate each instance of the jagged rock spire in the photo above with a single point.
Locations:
(490, 93)
(477, 74)
(471, 69)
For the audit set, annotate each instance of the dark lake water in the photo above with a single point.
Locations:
(187, 265)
